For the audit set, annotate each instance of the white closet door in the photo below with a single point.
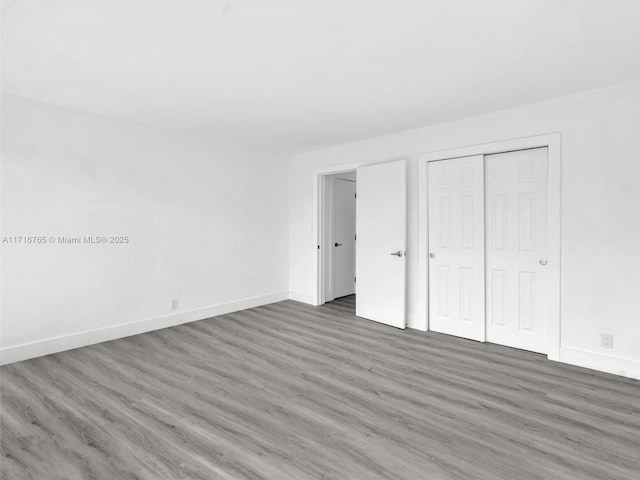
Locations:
(381, 225)
(456, 247)
(516, 213)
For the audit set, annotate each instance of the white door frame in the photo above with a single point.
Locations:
(319, 246)
(552, 142)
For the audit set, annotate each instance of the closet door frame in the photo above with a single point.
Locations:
(553, 143)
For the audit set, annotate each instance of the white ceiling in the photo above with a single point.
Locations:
(293, 76)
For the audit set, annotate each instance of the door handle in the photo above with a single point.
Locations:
(398, 253)
(337, 244)
(543, 262)
(432, 255)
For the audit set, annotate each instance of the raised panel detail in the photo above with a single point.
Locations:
(467, 222)
(526, 172)
(444, 284)
(499, 297)
(526, 297)
(466, 294)
(499, 222)
(527, 216)
(444, 211)
(499, 175)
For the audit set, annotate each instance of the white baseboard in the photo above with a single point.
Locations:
(625, 367)
(302, 297)
(48, 346)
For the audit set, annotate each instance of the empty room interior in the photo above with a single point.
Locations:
(320, 239)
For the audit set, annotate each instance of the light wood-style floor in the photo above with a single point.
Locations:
(289, 391)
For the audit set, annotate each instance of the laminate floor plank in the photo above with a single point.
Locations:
(551, 423)
(291, 391)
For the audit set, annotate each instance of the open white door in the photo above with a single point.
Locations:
(456, 247)
(381, 243)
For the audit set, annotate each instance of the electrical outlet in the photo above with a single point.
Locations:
(606, 340)
(174, 304)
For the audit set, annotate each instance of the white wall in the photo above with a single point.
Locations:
(207, 224)
(600, 211)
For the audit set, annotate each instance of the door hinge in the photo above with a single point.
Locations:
(355, 237)
(355, 195)
(318, 247)
(354, 279)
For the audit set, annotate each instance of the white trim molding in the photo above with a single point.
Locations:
(625, 367)
(48, 346)
(414, 321)
(553, 142)
(302, 297)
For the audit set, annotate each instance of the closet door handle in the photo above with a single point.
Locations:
(337, 244)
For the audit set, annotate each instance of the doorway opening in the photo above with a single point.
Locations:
(338, 243)
(381, 224)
